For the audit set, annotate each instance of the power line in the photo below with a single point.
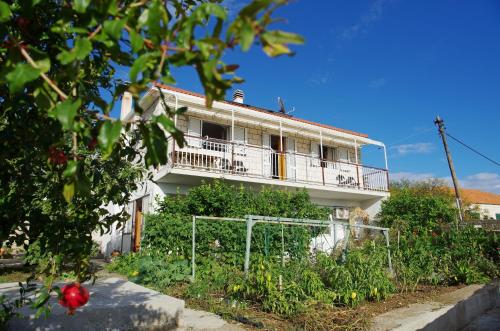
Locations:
(472, 149)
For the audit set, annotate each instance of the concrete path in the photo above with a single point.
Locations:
(203, 321)
(489, 321)
(117, 304)
(451, 311)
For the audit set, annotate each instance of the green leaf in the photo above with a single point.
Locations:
(114, 28)
(215, 10)
(42, 299)
(66, 111)
(247, 35)
(69, 192)
(82, 48)
(108, 135)
(143, 18)
(141, 63)
(43, 64)
(81, 5)
(275, 42)
(22, 74)
(136, 40)
(4, 12)
(282, 37)
(276, 50)
(166, 122)
(156, 145)
(71, 168)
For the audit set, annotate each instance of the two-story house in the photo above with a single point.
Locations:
(255, 147)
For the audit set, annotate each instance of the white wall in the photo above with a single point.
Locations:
(490, 211)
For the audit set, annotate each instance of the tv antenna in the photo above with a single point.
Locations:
(282, 110)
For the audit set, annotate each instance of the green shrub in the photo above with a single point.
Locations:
(170, 230)
(420, 211)
(363, 276)
(152, 269)
(451, 256)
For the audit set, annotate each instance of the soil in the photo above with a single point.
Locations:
(320, 317)
(422, 294)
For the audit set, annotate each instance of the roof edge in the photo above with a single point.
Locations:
(267, 111)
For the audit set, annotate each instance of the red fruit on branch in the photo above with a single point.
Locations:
(57, 156)
(92, 144)
(73, 296)
(23, 22)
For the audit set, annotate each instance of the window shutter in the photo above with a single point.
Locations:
(343, 154)
(266, 155)
(314, 154)
(291, 167)
(239, 135)
(239, 140)
(194, 132)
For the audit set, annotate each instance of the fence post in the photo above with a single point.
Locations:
(248, 243)
(232, 157)
(386, 235)
(193, 262)
(322, 171)
(347, 234)
(357, 175)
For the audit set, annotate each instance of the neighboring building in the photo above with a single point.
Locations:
(255, 147)
(488, 203)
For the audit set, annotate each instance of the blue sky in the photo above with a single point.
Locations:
(387, 68)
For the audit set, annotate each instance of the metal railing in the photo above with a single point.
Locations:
(222, 156)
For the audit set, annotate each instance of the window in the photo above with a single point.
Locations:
(329, 154)
(214, 131)
(497, 216)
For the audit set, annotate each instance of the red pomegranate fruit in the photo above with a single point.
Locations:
(73, 296)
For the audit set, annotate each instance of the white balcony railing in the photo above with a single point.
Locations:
(220, 156)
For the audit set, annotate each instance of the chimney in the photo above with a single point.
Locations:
(126, 109)
(238, 96)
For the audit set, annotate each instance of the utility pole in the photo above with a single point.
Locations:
(440, 124)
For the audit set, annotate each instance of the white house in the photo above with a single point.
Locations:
(253, 146)
(487, 203)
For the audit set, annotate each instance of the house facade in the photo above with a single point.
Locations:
(255, 147)
(487, 204)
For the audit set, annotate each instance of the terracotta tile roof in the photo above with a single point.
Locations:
(262, 110)
(477, 196)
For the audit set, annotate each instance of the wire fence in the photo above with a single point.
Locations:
(282, 239)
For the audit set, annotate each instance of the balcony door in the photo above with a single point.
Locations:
(278, 159)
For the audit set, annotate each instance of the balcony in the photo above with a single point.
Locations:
(244, 160)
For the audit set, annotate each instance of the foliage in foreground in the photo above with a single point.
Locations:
(62, 154)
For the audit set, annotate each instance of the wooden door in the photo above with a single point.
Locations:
(137, 225)
(278, 157)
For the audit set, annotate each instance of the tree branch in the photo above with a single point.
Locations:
(30, 60)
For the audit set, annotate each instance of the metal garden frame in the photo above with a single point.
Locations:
(251, 220)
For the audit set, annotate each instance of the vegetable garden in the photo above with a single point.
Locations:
(300, 282)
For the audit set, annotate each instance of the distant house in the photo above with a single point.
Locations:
(488, 203)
